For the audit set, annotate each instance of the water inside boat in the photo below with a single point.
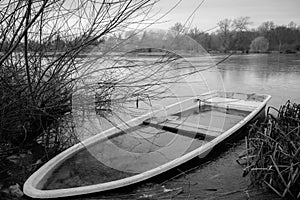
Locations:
(153, 143)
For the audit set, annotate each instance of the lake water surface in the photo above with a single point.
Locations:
(274, 74)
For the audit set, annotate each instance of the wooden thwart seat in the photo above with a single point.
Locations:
(185, 128)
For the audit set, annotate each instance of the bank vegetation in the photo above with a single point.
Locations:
(272, 157)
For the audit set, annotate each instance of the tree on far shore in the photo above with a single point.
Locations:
(259, 45)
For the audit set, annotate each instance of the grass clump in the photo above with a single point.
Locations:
(272, 156)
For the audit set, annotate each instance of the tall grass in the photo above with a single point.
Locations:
(272, 157)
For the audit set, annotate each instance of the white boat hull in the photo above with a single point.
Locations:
(252, 103)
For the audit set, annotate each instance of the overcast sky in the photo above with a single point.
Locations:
(212, 11)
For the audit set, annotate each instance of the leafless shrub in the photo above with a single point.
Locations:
(42, 45)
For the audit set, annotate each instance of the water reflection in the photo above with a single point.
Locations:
(277, 75)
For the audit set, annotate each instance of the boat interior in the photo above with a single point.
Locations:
(155, 140)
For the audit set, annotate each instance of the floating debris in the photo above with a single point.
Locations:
(15, 190)
(162, 193)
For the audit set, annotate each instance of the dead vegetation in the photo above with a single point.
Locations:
(272, 157)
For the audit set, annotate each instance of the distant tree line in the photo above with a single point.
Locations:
(231, 36)
(57, 43)
(235, 35)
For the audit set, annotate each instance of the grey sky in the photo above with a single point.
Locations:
(212, 11)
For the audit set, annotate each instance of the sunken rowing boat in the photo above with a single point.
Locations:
(146, 146)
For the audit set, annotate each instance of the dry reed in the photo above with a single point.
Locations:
(272, 156)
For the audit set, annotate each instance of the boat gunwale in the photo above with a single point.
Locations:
(30, 186)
